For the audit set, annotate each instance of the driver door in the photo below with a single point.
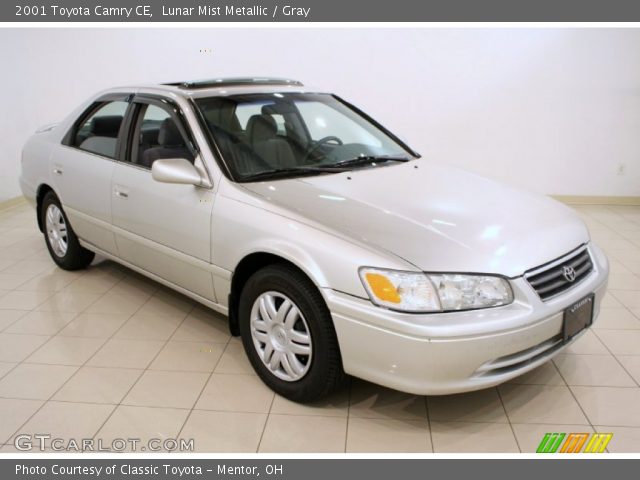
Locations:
(162, 228)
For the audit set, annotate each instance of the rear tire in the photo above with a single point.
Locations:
(309, 366)
(62, 242)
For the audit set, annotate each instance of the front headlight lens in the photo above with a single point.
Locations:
(420, 292)
(464, 292)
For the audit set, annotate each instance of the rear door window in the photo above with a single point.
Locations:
(98, 133)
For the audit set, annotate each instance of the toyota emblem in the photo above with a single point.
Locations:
(569, 273)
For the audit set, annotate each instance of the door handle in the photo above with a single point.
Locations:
(57, 171)
(120, 193)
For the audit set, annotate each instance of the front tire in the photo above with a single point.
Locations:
(288, 334)
(62, 242)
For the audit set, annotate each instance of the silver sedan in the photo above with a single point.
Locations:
(332, 247)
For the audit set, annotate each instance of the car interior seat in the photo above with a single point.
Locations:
(170, 145)
(103, 135)
(262, 136)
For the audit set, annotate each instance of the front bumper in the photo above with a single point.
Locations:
(436, 354)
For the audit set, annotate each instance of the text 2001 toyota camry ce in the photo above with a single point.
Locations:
(330, 244)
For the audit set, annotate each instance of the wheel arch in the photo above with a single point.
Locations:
(43, 189)
(246, 267)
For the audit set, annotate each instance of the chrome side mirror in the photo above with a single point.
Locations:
(177, 170)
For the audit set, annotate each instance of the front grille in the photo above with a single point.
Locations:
(550, 280)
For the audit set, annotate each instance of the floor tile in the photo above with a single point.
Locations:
(66, 301)
(610, 405)
(336, 405)
(94, 325)
(616, 318)
(126, 353)
(367, 435)
(609, 301)
(15, 348)
(9, 317)
(305, 434)
(4, 263)
(139, 287)
(473, 437)
(541, 404)
(33, 267)
(236, 393)
(224, 432)
(17, 300)
(234, 360)
(144, 423)
(629, 298)
(11, 281)
(545, 374)
(97, 284)
(480, 406)
(13, 414)
(166, 389)
(529, 436)
(6, 368)
(372, 401)
(167, 303)
(66, 351)
(36, 382)
(631, 364)
(203, 326)
(67, 420)
(41, 323)
(149, 327)
(48, 282)
(98, 385)
(588, 344)
(621, 342)
(595, 370)
(188, 357)
(116, 304)
(624, 281)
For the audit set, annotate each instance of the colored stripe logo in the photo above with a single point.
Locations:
(574, 443)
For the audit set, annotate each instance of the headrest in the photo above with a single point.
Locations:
(261, 128)
(169, 135)
(106, 126)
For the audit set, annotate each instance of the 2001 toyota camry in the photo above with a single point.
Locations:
(330, 244)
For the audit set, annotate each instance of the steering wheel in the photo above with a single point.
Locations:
(319, 143)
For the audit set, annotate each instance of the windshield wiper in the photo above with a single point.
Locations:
(366, 160)
(284, 172)
(342, 166)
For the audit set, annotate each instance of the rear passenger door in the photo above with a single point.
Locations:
(83, 165)
(162, 228)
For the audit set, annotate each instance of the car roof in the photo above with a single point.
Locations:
(226, 86)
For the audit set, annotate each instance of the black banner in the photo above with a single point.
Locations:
(316, 469)
(148, 11)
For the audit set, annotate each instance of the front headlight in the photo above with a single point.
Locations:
(442, 292)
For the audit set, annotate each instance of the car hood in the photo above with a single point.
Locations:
(436, 217)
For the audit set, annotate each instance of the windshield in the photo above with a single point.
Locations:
(292, 134)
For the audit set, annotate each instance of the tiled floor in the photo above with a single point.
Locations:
(105, 354)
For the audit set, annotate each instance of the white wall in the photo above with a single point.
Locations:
(552, 110)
